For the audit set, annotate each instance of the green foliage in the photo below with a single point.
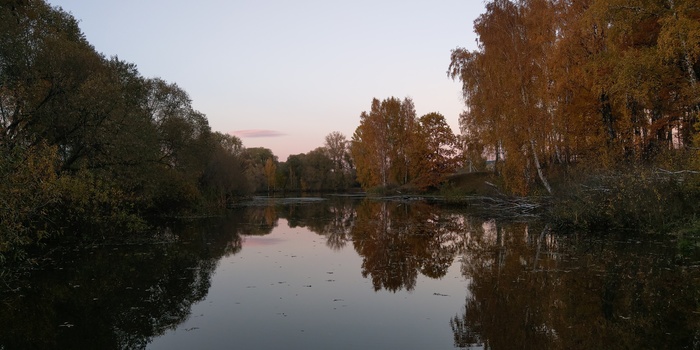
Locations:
(311, 171)
(90, 146)
(176, 195)
(254, 160)
(689, 240)
(327, 168)
(224, 177)
(93, 205)
(28, 192)
(337, 149)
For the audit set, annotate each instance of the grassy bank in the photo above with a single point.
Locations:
(638, 199)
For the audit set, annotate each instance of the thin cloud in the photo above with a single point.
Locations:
(253, 133)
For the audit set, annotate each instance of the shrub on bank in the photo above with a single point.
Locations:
(27, 193)
(639, 199)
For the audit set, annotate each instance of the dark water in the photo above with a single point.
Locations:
(360, 274)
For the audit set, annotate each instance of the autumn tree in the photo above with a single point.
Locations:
(28, 193)
(554, 83)
(634, 63)
(392, 147)
(403, 127)
(380, 146)
(504, 84)
(434, 151)
(370, 145)
(651, 83)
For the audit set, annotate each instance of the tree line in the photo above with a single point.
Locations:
(391, 149)
(88, 145)
(329, 168)
(556, 83)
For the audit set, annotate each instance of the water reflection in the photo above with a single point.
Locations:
(114, 297)
(539, 290)
(528, 287)
(397, 241)
(258, 220)
(332, 218)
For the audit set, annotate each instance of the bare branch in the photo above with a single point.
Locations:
(677, 172)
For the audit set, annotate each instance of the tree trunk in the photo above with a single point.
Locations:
(539, 167)
(608, 119)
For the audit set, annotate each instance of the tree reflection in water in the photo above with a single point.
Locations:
(538, 290)
(528, 287)
(396, 240)
(399, 240)
(333, 219)
(116, 296)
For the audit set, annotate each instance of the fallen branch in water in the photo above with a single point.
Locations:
(495, 206)
(679, 172)
(512, 207)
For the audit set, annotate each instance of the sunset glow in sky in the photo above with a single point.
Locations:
(284, 74)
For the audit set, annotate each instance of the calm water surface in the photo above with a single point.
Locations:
(360, 274)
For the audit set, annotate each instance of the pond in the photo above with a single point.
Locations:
(347, 273)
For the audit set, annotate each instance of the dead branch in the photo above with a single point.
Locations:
(679, 172)
(511, 207)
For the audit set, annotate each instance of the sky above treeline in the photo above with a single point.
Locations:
(284, 74)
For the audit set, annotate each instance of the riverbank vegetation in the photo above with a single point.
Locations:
(594, 104)
(91, 147)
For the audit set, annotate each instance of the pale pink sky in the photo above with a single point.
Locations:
(289, 72)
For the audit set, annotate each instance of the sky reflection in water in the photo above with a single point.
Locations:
(289, 290)
(348, 274)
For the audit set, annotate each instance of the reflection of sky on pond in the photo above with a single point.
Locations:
(289, 290)
(260, 241)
